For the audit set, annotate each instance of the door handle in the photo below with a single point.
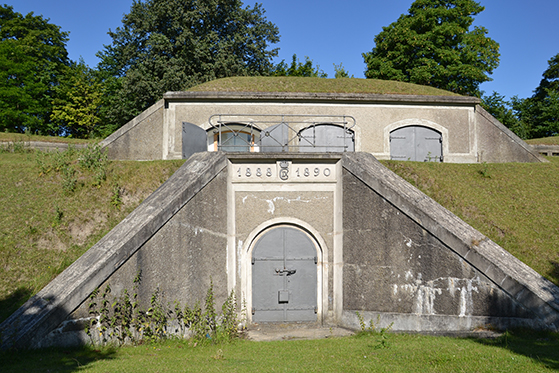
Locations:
(287, 272)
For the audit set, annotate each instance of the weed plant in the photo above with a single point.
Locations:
(120, 320)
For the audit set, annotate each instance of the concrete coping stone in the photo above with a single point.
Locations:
(318, 96)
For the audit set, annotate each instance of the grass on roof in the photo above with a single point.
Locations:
(554, 140)
(317, 85)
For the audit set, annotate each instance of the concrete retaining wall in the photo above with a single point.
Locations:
(384, 249)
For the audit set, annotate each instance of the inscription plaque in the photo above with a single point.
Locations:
(284, 171)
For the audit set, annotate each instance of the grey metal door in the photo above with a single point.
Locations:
(325, 138)
(194, 139)
(284, 277)
(416, 143)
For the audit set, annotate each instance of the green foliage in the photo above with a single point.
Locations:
(341, 72)
(173, 45)
(69, 179)
(116, 199)
(433, 45)
(33, 56)
(77, 102)
(298, 69)
(91, 159)
(371, 330)
(539, 114)
(122, 320)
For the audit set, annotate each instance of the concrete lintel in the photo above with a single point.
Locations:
(521, 282)
(321, 97)
(312, 157)
(46, 310)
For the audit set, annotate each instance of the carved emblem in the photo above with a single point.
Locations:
(284, 170)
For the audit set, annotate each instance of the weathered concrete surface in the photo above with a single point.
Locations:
(140, 139)
(44, 146)
(414, 260)
(499, 144)
(469, 133)
(549, 150)
(384, 249)
(30, 324)
(288, 332)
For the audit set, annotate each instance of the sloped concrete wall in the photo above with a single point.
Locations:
(414, 263)
(141, 139)
(499, 144)
(126, 245)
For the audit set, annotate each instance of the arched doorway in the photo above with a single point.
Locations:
(416, 143)
(284, 276)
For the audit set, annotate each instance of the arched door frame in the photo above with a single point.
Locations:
(415, 122)
(321, 251)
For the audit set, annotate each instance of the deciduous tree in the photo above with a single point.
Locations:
(433, 45)
(171, 45)
(32, 57)
(297, 68)
(78, 102)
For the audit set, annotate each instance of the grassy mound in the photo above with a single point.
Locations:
(554, 140)
(57, 205)
(317, 85)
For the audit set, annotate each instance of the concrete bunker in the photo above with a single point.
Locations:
(369, 242)
(317, 122)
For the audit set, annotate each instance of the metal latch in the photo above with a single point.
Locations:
(288, 272)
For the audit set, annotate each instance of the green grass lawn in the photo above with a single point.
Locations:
(44, 227)
(19, 137)
(512, 352)
(317, 85)
(554, 140)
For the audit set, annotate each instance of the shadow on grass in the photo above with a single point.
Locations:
(12, 302)
(53, 360)
(554, 273)
(541, 346)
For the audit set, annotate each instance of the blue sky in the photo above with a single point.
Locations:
(333, 32)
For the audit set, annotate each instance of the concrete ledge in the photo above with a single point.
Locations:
(549, 150)
(405, 322)
(320, 97)
(521, 282)
(45, 145)
(45, 311)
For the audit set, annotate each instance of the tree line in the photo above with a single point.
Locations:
(172, 45)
